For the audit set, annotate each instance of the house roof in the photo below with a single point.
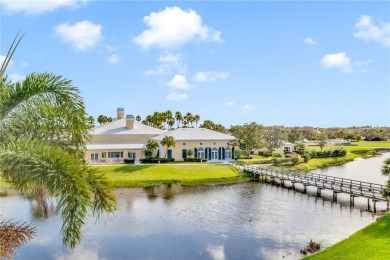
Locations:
(194, 134)
(118, 127)
(113, 146)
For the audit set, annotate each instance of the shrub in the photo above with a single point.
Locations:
(277, 155)
(195, 160)
(285, 161)
(267, 154)
(313, 153)
(128, 160)
(306, 157)
(148, 153)
(156, 160)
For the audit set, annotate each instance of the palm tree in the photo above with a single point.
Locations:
(197, 119)
(138, 118)
(43, 133)
(190, 118)
(171, 123)
(102, 119)
(168, 141)
(152, 145)
(91, 121)
(386, 171)
(179, 118)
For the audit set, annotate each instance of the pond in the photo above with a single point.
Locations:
(240, 221)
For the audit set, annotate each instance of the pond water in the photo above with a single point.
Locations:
(240, 221)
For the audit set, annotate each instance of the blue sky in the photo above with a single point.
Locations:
(291, 63)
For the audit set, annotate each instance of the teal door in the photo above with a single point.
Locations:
(169, 155)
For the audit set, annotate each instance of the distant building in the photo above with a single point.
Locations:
(124, 138)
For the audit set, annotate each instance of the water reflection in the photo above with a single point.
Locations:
(240, 221)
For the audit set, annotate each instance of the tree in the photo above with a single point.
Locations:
(138, 118)
(274, 137)
(248, 136)
(152, 145)
(168, 141)
(196, 119)
(179, 118)
(43, 133)
(386, 171)
(294, 135)
(322, 140)
(91, 122)
(102, 119)
(208, 124)
(190, 153)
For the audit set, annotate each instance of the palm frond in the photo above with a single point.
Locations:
(30, 163)
(10, 53)
(12, 236)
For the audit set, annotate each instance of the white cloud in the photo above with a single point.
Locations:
(169, 63)
(310, 41)
(38, 6)
(362, 63)
(2, 59)
(210, 76)
(24, 63)
(179, 82)
(177, 97)
(111, 48)
(369, 31)
(173, 27)
(230, 104)
(248, 107)
(338, 61)
(82, 35)
(113, 59)
(15, 77)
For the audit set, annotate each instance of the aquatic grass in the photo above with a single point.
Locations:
(323, 162)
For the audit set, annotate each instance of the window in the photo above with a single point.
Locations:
(201, 153)
(184, 144)
(104, 154)
(228, 153)
(132, 155)
(115, 154)
(215, 143)
(94, 157)
(214, 154)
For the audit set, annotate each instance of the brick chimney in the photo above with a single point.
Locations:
(129, 121)
(120, 113)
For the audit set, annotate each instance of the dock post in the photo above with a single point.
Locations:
(387, 205)
(334, 196)
(304, 188)
(318, 192)
(368, 204)
(374, 201)
(352, 201)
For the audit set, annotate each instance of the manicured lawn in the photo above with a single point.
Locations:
(372, 242)
(187, 174)
(359, 148)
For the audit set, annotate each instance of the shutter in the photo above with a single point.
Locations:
(223, 153)
(219, 153)
(233, 153)
(184, 153)
(195, 153)
(158, 153)
(209, 153)
(206, 153)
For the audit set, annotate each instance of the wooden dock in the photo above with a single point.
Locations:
(354, 188)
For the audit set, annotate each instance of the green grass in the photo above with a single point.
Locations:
(371, 242)
(316, 163)
(185, 174)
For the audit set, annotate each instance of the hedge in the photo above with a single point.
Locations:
(156, 160)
